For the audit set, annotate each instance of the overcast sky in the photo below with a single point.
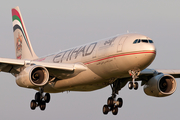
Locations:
(54, 26)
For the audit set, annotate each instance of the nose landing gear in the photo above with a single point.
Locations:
(132, 84)
(40, 100)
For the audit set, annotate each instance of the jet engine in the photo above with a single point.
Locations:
(160, 86)
(33, 76)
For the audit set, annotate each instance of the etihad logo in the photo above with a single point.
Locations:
(19, 47)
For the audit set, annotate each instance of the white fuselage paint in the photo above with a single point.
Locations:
(106, 60)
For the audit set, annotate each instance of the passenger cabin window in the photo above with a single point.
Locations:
(142, 41)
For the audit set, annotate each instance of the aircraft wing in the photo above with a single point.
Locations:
(11, 65)
(15, 66)
(152, 72)
(147, 74)
(174, 73)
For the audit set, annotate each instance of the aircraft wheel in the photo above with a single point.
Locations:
(115, 110)
(130, 85)
(105, 109)
(110, 101)
(38, 96)
(135, 86)
(33, 105)
(47, 97)
(42, 105)
(120, 102)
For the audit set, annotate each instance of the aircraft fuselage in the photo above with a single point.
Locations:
(106, 61)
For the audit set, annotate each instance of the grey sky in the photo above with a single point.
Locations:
(56, 25)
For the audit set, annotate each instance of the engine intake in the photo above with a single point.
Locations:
(37, 76)
(33, 76)
(160, 86)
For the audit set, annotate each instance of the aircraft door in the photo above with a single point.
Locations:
(120, 44)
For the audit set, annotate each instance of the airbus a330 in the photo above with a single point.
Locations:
(114, 61)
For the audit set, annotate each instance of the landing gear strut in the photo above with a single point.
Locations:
(40, 100)
(112, 103)
(132, 84)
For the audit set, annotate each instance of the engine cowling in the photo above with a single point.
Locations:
(160, 86)
(33, 76)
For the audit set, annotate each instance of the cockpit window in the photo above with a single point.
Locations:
(142, 41)
(135, 41)
(145, 41)
(150, 41)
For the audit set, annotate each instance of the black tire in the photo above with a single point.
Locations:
(130, 85)
(33, 105)
(105, 109)
(120, 101)
(110, 101)
(115, 110)
(47, 97)
(38, 96)
(42, 105)
(135, 86)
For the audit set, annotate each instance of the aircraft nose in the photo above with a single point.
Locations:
(152, 47)
(147, 58)
(148, 47)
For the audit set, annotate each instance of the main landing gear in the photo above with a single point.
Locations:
(40, 100)
(132, 84)
(112, 103)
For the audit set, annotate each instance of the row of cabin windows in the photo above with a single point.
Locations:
(142, 40)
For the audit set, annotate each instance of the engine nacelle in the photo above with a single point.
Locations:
(160, 86)
(33, 76)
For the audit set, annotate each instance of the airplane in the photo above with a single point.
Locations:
(115, 62)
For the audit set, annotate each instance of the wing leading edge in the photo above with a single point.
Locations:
(152, 72)
(15, 66)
